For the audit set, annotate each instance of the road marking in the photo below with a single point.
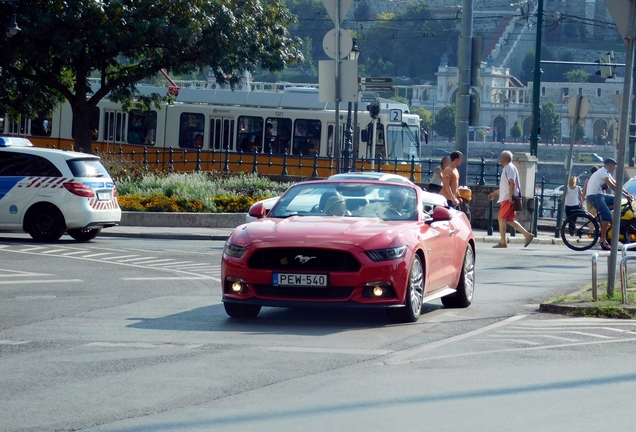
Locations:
(11, 282)
(140, 345)
(619, 330)
(172, 265)
(31, 249)
(52, 251)
(374, 352)
(97, 254)
(401, 357)
(9, 342)
(523, 341)
(120, 257)
(181, 267)
(171, 278)
(589, 334)
(73, 253)
(141, 259)
(16, 273)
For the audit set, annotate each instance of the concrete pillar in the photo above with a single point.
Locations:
(527, 166)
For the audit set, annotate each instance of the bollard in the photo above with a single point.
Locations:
(557, 231)
(542, 197)
(482, 176)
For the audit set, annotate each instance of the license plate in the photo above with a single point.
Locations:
(103, 196)
(300, 280)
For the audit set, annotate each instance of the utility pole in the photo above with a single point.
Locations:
(336, 127)
(464, 66)
(536, 83)
(623, 139)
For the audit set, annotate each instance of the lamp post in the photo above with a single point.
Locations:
(12, 27)
(354, 55)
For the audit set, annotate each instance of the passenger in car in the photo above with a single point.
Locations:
(336, 206)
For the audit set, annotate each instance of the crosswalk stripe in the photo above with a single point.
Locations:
(118, 257)
(97, 254)
(52, 251)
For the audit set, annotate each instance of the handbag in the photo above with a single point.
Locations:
(517, 203)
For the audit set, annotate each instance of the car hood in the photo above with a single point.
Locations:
(323, 231)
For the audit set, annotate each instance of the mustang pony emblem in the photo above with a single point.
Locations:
(304, 259)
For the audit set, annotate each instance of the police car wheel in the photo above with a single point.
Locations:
(45, 223)
(84, 235)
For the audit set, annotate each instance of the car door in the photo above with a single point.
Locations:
(438, 241)
(17, 187)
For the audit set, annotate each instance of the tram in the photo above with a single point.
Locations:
(225, 127)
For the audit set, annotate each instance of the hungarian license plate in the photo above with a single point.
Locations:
(104, 196)
(300, 280)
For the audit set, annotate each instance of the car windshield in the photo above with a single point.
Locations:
(87, 168)
(348, 199)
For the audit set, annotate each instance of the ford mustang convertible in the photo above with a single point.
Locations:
(350, 243)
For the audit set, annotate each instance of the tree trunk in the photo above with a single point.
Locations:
(81, 124)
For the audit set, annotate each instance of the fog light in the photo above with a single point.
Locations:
(237, 287)
(377, 291)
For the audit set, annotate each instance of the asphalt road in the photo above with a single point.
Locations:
(130, 335)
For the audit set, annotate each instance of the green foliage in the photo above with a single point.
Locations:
(576, 76)
(551, 72)
(579, 133)
(445, 121)
(516, 131)
(426, 117)
(550, 122)
(481, 134)
(62, 44)
(610, 132)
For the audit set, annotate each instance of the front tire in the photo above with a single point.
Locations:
(463, 297)
(84, 235)
(238, 310)
(46, 223)
(412, 308)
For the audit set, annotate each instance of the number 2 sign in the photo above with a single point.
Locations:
(396, 115)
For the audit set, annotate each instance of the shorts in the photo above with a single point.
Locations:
(601, 202)
(506, 212)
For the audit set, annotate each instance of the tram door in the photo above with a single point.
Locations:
(115, 123)
(221, 133)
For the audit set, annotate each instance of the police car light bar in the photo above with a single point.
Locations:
(15, 142)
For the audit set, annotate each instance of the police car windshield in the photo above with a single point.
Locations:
(87, 168)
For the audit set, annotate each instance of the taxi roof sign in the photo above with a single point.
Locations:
(15, 142)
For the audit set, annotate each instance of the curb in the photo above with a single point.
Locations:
(628, 312)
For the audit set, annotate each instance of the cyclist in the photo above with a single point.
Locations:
(602, 201)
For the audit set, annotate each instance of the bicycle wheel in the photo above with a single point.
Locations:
(580, 231)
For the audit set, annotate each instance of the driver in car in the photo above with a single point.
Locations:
(396, 199)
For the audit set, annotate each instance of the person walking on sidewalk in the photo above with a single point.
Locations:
(573, 200)
(450, 181)
(508, 187)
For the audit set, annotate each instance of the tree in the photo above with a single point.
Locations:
(63, 44)
(425, 117)
(579, 133)
(550, 122)
(576, 76)
(481, 134)
(445, 122)
(515, 131)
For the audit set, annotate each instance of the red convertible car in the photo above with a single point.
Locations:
(350, 243)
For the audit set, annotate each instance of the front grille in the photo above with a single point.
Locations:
(303, 293)
(305, 259)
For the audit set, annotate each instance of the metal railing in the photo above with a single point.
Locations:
(283, 164)
(604, 254)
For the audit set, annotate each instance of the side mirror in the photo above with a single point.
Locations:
(258, 210)
(441, 214)
(364, 135)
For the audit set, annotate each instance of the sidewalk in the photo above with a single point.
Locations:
(221, 234)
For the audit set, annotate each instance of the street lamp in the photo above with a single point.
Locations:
(354, 55)
(12, 28)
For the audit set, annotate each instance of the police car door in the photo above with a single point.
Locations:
(22, 176)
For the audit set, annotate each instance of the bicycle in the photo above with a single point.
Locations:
(581, 230)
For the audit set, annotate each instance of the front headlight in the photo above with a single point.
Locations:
(234, 250)
(387, 254)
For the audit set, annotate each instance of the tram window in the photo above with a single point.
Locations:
(191, 130)
(307, 137)
(93, 125)
(277, 135)
(250, 133)
(221, 134)
(41, 126)
(402, 141)
(142, 127)
(18, 127)
(379, 141)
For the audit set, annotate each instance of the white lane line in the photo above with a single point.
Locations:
(591, 335)
(16, 273)
(522, 341)
(119, 257)
(170, 264)
(402, 356)
(374, 352)
(52, 251)
(9, 342)
(97, 254)
(163, 261)
(4, 246)
(533, 335)
(171, 278)
(191, 265)
(140, 345)
(558, 338)
(31, 249)
(73, 253)
(559, 331)
(12, 282)
(537, 348)
(141, 259)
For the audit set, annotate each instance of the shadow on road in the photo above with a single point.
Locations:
(298, 321)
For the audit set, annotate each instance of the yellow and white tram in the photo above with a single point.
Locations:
(231, 125)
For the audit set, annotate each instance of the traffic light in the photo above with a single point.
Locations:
(606, 71)
(374, 110)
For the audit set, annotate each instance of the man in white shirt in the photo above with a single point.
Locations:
(508, 187)
(600, 200)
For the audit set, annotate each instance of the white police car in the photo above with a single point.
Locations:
(46, 192)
